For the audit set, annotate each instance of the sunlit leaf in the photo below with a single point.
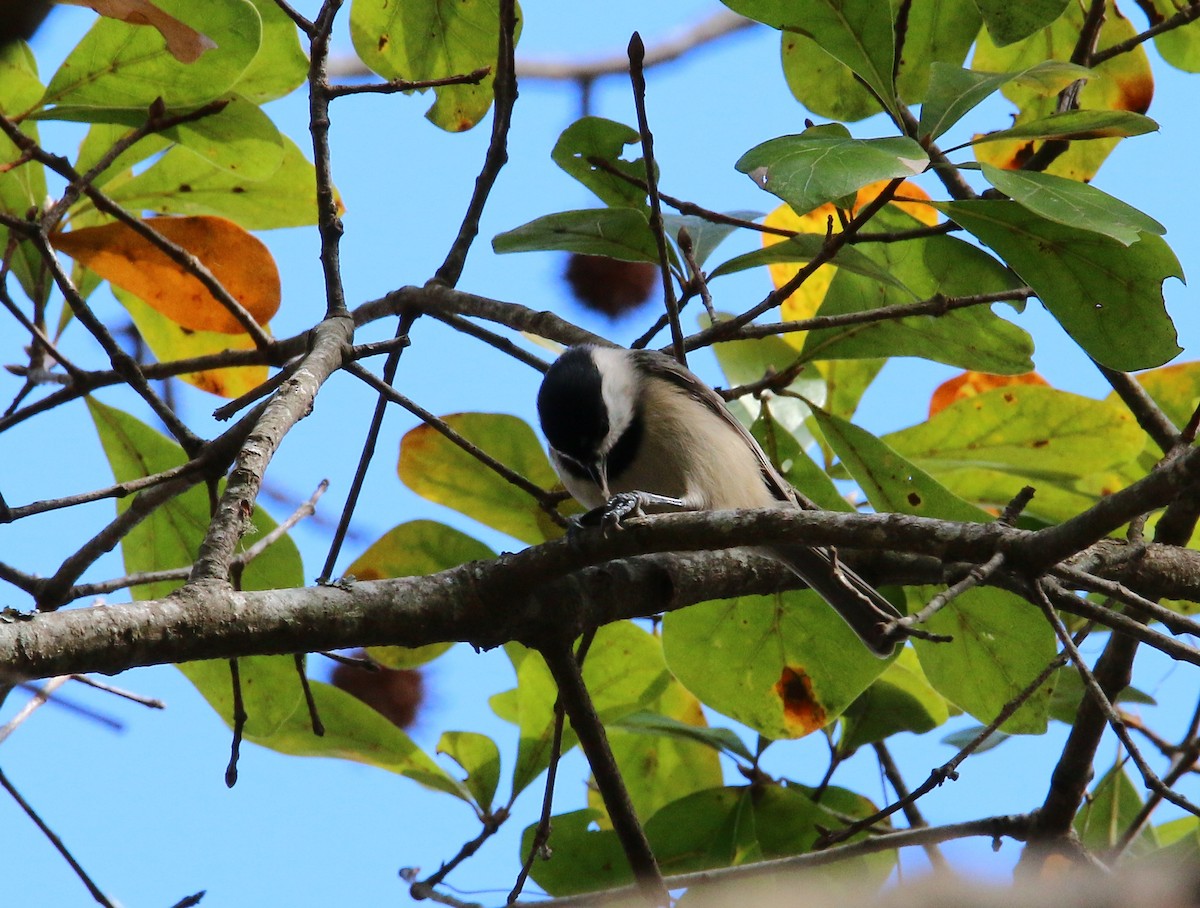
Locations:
(184, 42)
(890, 482)
(973, 337)
(168, 341)
(439, 470)
(433, 39)
(722, 740)
(1106, 295)
(280, 64)
(180, 182)
(792, 665)
(1001, 643)
(236, 258)
(479, 756)
(822, 83)
(415, 549)
(624, 673)
(619, 233)
(1122, 83)
(121, 67)
(937, 34)
(23, 187)
(970, 384)
(659, 768)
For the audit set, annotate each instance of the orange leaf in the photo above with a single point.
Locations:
(971, 383)
(236, 258)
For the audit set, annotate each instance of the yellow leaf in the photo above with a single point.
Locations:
(805, 302)
(168, 342)
(236, 258)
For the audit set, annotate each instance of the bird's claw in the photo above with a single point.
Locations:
(611, 514)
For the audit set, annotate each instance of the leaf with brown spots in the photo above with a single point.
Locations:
(968, 384)
(790, 664)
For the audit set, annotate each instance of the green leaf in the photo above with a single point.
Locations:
(1008, 23)
(182, 183)
(1108, 812)
(791, 664)
(706, 236)
(795, 465)
(479, 756)
(279, 719)
(808, 170)
(122, 67)
(415, 549)
(432, 39)
(1001, 643)
(624, 673)
(962, 738)
(1069, 693)
(901, 699)
(23, 187)
(937, 34)
(722, 740)
(1073, 203)
(437, 469)
(1033, 433)
(280, 64)
(659, 768)
(720, 827)
(619, 233)
(100, 138)
(823, 84)
(1076, 125)
(803, 247)
(596, 137)
(1106, 295)
(954, 91)
(972, 338)
(170, 536)
(1178, 46)
(891, 483)
(858, 33)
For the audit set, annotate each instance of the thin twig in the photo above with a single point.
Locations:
(1104, 704)
(55, 841)
(314, 716)
(564, 666)
(544, 499)
(1188, 14)
(239, 723)
(912, 812)
(367, 454)
(399, 85)
(637, 54)
(949, 769)
(504, 91)
(151, 702)
(39, 699)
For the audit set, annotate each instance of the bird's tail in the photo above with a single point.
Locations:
(861, 605)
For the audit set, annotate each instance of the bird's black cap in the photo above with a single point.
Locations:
(571, 406)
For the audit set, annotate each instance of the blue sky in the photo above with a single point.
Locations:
(146, 810)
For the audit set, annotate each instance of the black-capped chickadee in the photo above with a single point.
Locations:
(636, 423)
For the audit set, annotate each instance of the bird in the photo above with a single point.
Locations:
(633, 431)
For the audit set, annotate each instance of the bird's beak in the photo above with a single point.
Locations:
(599, 471)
